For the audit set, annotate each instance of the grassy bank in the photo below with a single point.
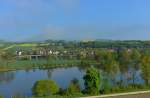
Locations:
(43, 64)
(26, 64)
(125, 93)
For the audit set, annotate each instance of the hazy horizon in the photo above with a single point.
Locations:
(36, 20)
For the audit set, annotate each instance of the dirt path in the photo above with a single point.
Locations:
(140, 94)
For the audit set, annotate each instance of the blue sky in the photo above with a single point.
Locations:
(22, 20)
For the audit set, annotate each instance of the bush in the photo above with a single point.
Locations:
(106, 86)
(62, 92)
(45, 88)
(74, 87)
(1, 97)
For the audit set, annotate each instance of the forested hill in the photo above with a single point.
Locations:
(78, 44)
(103, 44)
(116, 44)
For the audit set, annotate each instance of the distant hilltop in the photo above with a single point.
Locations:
(84, 40)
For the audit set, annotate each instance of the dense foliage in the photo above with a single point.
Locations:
(92, 81)
(114, 58)
(74, 87)
(146, 69)
(45, 88)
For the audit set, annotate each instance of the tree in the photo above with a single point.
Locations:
(92, 81)
(145, 66)
(124, 61)
(45, 88)
(135, 62)
(110, 65)
(74, 87)
(6, 57)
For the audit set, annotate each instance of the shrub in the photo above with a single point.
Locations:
(45, 88)
(74, 87)
(1, 97)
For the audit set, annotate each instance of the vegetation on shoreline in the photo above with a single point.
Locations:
(41, 64)
(113, 58)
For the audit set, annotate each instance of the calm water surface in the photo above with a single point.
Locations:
(21, 82)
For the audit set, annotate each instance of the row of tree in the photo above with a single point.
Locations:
(123, 62)
(49, 87)
(92, 78)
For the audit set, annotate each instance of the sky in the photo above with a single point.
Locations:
(35, 20)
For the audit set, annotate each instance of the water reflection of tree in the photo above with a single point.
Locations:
(6, 77)
(83, 66)
(49, 73)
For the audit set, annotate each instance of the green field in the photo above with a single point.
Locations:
(22, 45)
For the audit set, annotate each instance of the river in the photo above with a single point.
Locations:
(20, 82)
